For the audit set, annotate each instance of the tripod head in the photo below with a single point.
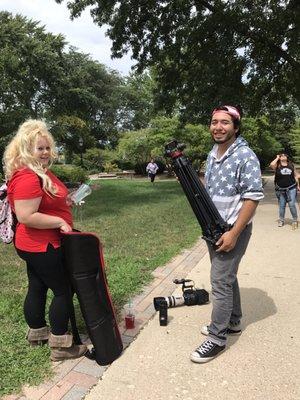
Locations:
(174, 149)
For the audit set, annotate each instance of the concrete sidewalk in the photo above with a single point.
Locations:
(262, 363)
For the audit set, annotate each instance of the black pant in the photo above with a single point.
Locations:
(45, 271)
(152, 176)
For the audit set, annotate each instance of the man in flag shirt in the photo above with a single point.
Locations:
(233, 181)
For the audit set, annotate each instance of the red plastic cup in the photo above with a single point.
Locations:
(129, 321)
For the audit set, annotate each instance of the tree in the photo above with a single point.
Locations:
(261, 136)
(208, 51)
(137, 106)
(138, 146)
(295, 140)
(199, 143)
(95, 160)
(91, 93)
(134, 147)
(73, 134)
(75, 94)
(31, 67)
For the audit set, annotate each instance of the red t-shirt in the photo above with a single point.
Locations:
(24, 185)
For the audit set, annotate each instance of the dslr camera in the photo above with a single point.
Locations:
(190, 297)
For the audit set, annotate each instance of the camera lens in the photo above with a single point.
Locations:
(174, 301)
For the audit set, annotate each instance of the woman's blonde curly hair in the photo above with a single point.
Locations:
(19, 152)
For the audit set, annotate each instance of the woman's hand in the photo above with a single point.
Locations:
(69, 201)
(65, 227)
(273, 164)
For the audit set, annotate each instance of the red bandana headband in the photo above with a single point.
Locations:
(229, 110)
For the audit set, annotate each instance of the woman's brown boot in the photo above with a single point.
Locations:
(62, 347)
(38, 336)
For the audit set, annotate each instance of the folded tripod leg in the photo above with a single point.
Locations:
(84, 262)
(209, 218)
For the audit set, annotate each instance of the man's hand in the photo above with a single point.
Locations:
(227, 241)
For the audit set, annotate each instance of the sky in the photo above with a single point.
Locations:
(81, 33)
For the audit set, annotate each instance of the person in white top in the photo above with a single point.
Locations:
(152, 169)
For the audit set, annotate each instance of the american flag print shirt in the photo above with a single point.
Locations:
(232, 178)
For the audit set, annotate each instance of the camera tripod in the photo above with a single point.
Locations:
(212, 224)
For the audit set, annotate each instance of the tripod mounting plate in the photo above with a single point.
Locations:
(174, 149)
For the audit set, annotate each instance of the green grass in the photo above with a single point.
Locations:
(142, 226)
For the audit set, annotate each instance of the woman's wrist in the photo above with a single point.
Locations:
(61, 223)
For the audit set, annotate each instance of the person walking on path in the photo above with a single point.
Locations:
(233, 180)
(152, 169)
(41, 204)
(286, 185)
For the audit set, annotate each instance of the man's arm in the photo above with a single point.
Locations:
(228, 240)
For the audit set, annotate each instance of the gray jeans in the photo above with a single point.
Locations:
(225, 288)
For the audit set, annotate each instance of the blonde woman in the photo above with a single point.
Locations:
(42, 207)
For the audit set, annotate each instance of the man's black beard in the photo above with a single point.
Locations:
(224, 141)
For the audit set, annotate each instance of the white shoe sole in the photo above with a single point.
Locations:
(201, 360)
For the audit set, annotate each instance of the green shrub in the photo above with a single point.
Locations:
(94, 160)
(111, 167)
(125, 165)
(70, 173)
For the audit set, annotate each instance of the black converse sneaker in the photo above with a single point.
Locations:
(206, 352)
